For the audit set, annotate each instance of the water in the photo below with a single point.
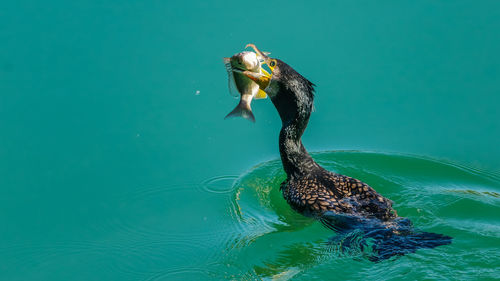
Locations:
(437, 196)
(116, 163)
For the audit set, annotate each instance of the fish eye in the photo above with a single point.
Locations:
(272, 63)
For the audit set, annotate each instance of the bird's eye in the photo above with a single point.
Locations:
(272, 63)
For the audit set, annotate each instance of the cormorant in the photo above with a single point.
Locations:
(337, 200)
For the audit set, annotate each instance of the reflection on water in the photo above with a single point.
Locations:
(242, 229)
(278, 244)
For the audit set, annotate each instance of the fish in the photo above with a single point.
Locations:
(248, 89)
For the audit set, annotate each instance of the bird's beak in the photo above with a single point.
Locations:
(261, 79)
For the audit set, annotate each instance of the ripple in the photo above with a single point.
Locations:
(244, 229)
(477, 193)
(194, 272)
(146, 214)
(438, 196)
(220, 184)
(144, 236)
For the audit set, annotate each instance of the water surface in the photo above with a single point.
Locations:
(276, 243)
(116, 163)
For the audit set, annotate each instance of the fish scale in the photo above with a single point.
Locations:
(240, 84)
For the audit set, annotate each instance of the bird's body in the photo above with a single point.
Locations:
(332, 198)
(324, 191)
(309, 188)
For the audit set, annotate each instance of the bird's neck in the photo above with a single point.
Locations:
(294, 116)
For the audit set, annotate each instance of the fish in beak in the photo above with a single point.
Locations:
(246, 74)
(248, 89)
(263, 78)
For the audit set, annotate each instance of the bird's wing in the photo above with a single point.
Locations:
(360, 197)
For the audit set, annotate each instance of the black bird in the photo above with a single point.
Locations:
(340, 202)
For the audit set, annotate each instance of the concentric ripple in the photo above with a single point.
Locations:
(241, 228)
(276, 243)
(221, 184)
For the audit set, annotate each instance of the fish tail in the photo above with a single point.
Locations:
(242, 110)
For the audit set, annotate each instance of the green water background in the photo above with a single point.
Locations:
(98, 104)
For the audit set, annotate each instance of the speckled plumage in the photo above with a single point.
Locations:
(310, 189)
(341, 203)
(323, 191)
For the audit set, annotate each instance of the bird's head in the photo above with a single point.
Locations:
(290, 92)
(282, 78)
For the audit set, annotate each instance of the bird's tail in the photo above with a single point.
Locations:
(395, 244)
(380, 240)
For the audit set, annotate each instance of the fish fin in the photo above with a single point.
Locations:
(260, 95)
(242, 110)
(231, 84)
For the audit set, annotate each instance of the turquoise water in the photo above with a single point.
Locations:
(114, 167)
